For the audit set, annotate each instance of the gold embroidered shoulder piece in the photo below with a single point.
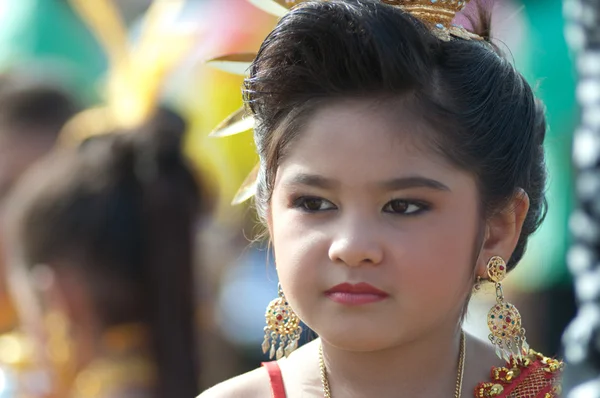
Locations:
(535, 376)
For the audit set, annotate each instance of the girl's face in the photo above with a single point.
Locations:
(374, 236)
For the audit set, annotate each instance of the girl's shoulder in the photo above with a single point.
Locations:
(249, 385)
(535, 375)
(273, 378)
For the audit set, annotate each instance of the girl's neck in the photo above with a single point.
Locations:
(425, 366)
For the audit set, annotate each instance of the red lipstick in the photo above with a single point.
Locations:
(355, 294)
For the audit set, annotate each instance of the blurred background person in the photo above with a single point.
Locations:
(50, 65)
(32, 113)
(102, 233)
(101, 256)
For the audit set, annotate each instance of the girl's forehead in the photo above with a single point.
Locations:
(353, 144)
(362, 132)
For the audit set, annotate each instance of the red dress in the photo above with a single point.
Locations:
(536, 376)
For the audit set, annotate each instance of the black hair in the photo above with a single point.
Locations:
(485, 115)
(29, 106)
(122, 209)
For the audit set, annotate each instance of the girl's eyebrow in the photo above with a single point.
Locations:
(398, 184)
(395, 184)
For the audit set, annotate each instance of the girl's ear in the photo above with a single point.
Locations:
(503, 231)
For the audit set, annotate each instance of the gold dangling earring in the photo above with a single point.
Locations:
(504, 320)
(283, 325)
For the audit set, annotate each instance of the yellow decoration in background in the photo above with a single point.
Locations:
(134, 84)
(136, 74)
(209, 98)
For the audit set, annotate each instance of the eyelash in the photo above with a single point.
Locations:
(301, 202)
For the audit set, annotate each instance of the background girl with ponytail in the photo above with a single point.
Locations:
(101, 260)
(101, 233)
(401, 165)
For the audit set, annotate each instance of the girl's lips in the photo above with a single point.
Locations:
(355, 298)
(355, 294)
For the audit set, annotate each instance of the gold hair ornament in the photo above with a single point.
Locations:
(436, 14)
(135, 74)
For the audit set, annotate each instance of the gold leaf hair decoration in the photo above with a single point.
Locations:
(436, 14)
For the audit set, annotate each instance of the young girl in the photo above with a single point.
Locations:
(401, 163)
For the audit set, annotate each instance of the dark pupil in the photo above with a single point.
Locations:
(399, 206)
(312, 204)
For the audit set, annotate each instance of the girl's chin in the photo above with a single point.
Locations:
(358, 345)
(357, 339)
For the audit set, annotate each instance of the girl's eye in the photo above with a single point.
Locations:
(313, 204)
(398, 206)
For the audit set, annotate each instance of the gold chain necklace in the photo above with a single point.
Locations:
(459, 376)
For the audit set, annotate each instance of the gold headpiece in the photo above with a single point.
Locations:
(135, 75)
(436, 14)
